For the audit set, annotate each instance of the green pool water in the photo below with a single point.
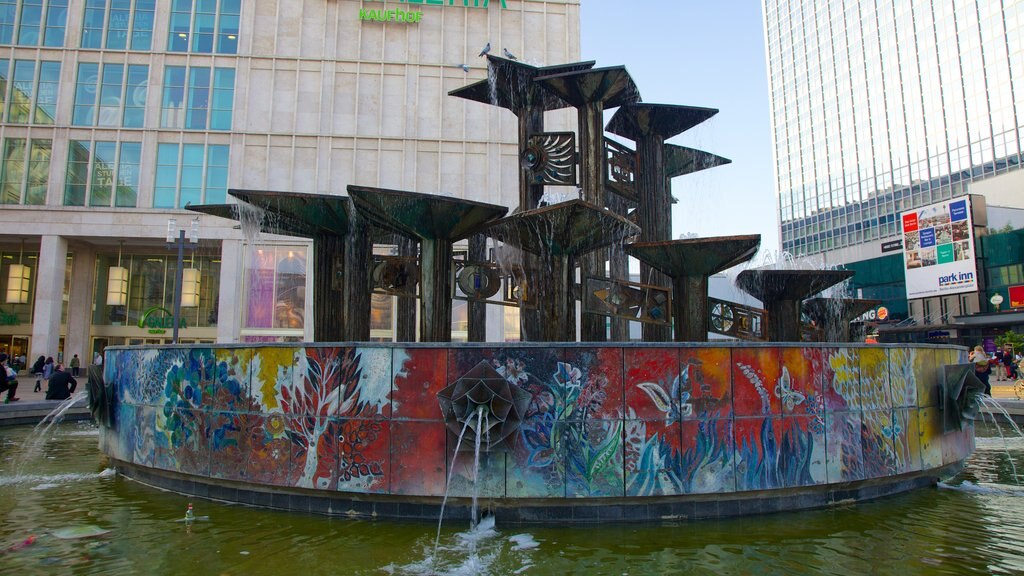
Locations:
(86, 520)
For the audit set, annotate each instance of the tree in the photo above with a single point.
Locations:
(1012, 338)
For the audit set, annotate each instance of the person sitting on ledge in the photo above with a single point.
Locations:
(62, 384)
(9, 379)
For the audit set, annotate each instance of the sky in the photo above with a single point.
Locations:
(707, 54)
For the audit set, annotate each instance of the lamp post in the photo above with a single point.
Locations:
(176, 239)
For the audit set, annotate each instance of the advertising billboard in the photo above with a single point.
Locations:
(1016, 296)
(938, 249)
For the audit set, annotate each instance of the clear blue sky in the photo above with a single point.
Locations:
(710, 54)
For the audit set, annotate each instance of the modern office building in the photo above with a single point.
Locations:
(116, 114)
(880, 107)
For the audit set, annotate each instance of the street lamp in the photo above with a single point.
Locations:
(176, 239)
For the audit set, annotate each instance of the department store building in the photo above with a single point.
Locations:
(116, 114)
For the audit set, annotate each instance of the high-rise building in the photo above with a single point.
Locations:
(116, 114)
(882, 106)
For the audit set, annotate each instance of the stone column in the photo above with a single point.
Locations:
(49, 297)
(231, 298)
(80, 299)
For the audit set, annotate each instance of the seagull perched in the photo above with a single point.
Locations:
(509, 55)
(485, 50)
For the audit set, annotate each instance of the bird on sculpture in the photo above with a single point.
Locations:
(509, 55)
(486, 49)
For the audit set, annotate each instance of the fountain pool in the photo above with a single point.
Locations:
(975, 523)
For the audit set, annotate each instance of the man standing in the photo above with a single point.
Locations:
(98, 359)
(62, 385)
(9, 381)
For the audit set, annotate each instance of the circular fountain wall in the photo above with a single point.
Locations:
(605, 432)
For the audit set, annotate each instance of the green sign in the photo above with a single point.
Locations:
(159, 324)
(413, 17)
(8, 319)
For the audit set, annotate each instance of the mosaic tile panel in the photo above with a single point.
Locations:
(929, 424)
(653, 384)
(843, 449)
(420, 373)
(800, 392)
(418, 458)
(706, 382)
(802, 451)
(231, 434)
(927, 366)
(756, 374)
(271, 451)
(232, 380)
(600, 394)
(364, 450)
(653, 452)
(488, 481)
(874, 379)
(594, 459)
(190, 442)
(906, 440)
(707, 457)
(876, 443)
(537, 466)
(903, 376)
(758, 444)
(841, 386)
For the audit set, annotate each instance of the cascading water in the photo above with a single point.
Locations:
(994, 407)
(43, 429)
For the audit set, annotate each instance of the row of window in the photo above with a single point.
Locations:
(108, 173)
(201, 26)
(114, 95)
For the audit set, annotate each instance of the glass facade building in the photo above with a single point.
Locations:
(879, 106)
(117, 114)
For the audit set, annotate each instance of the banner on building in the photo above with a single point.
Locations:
(938, 249)
(1017, 296)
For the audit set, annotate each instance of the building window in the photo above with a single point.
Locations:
(25, 171)
(204, 26)
(197, 104)
(117, 97)
(31, 94)
(275, 292)
(151, 291)
(110, 23)
(102, 172)
(33, 22)
(190, 174)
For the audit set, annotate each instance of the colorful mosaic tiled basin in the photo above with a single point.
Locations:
(614, 431)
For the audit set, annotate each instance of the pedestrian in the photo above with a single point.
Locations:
(48, 368)
(98, 359)
(981, 367)
(9, 381)
(1008, 362)
(37, 371)
(61, 384)
(75, 364)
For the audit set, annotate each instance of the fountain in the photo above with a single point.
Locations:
(566, 431)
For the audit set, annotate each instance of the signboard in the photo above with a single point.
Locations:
(892, 246)
(408, 14)
(1016, 296)
(938, 249)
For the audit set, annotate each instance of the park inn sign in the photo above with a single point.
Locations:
(410, 16)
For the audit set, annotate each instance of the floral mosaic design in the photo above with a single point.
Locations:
(601, 422)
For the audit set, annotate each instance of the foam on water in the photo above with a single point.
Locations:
(984, 488)
(46, 481)
(523, 542)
